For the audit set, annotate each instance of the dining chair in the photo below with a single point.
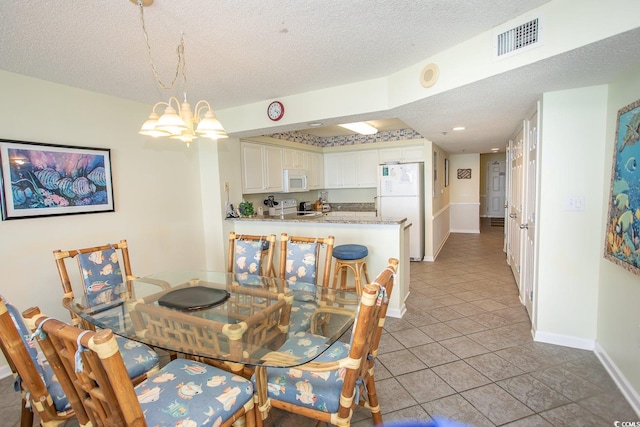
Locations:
(300, 260)
(105, 273)
(184, 392)
(328, 388)
(251, 255)
(34, 377)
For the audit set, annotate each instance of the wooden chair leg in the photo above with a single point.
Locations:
(374, 406)
(26, 417)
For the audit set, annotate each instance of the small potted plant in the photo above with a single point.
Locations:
(245, 208)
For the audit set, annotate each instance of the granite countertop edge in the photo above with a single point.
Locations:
(326, 219)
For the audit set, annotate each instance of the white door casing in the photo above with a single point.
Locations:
(516, 203)
(529, 266)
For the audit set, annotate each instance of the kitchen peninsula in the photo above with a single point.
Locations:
(384, 237)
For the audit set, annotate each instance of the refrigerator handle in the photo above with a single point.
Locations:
(375, 204)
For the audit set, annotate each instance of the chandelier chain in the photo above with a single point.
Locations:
(180, 50)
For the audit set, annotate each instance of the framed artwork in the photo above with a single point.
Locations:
(446, 172)
(622, 239)
(44, 180)
(464, 174)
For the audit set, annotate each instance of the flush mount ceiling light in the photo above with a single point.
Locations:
(459, 128)
(178, 120)
(360, 127)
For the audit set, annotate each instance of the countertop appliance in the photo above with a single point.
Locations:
(286, 207)
(295, 180)
(304, 207)
(400, 195)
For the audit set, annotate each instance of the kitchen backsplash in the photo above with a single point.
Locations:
(338, 141)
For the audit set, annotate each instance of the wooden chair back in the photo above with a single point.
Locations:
(359, 377)
(89, 363)
(104, 282)
(243, 248)
(300, 258)
(28, 375)
(106, 393)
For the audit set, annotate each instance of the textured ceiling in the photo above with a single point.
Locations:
(242, 52)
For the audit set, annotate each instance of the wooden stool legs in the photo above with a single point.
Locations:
(359, 269)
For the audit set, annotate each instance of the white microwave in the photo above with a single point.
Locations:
(295, 180)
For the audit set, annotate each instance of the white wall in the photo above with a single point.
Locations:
(618, 290)
(570, 246)
(465, 194)
(156, 190)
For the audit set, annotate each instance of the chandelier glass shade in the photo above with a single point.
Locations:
(178, 121)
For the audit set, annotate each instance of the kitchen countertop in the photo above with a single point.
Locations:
(321, 218)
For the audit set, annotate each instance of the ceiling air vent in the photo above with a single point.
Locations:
(517, 39)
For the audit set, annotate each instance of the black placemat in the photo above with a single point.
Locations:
(193, 298)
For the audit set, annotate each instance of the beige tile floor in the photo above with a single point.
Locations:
(464, 351)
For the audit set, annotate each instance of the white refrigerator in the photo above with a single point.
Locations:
(400, 195)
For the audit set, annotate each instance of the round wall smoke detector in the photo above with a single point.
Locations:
(429, 75)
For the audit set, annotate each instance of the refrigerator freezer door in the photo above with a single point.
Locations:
(407, 207)
(399, 180)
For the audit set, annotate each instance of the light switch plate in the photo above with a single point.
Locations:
(574, 203)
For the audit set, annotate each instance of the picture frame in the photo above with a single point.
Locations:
(622, 237)
(38, 180)
(446, 172)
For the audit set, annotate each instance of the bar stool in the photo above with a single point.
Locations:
(351, 257)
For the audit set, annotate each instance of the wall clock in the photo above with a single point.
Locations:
(275, 110)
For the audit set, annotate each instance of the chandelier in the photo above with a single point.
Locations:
(178, 121)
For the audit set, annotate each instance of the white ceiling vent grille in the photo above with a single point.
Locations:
(518, 39)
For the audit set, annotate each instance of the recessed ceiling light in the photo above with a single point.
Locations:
(459, 128)
(314, 124)
(360, 127)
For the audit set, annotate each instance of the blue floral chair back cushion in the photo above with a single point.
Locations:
(302, 262)
(102, 276)
(60, 401)
(247, 258)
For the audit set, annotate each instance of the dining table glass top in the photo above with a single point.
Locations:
(228, 317)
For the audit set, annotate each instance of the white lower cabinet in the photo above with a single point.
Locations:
(261, 168)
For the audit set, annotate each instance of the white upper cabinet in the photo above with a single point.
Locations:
(351, 169)
(292, 158)
(261, 168)
(313, 163)
(414, 153)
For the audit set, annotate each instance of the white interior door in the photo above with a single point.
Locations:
(516, 163)
(496, 181)
(529, 222)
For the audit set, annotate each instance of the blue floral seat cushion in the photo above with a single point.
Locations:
(316, 390)
(300, 319)
(138, 358)
(189, 393)
(101, 275)
(60, 401)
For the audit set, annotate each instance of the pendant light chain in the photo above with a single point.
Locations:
(180, 65)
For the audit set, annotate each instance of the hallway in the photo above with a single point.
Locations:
(464, 351)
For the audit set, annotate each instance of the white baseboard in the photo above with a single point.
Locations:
(397, 313)
(626, 389)
(5, 371)
(564, 340)
(470, 231)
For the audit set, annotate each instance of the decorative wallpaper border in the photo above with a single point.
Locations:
(337, 141)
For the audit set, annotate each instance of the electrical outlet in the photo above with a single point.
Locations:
(226, 186)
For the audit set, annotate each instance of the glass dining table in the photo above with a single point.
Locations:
(238, 320)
